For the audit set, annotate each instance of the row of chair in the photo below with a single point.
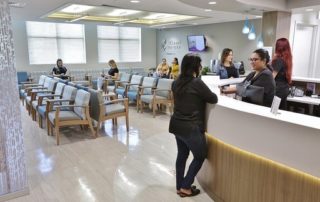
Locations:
(64, 103)
(140, 89)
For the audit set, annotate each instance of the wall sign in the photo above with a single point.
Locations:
(170, 46)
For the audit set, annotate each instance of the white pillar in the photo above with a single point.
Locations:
(13, 178)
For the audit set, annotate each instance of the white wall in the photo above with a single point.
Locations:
(303, 69)
(148, 52)
(219, 36)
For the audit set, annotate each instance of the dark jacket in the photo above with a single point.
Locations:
(189, 106)
(264, 79)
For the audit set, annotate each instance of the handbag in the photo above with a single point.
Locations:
(250, 93)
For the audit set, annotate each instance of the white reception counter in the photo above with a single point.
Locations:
(246, 140)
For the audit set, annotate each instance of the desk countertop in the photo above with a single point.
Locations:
(305, 100)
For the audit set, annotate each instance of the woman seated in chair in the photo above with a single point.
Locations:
(163, 69)
(113, 74)
(60, 70)
(174, 69)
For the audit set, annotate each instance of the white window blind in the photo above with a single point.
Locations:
(49, 41)
(122, 44)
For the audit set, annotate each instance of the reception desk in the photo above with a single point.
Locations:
(256, 156)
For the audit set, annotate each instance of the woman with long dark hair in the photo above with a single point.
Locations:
(226, 68)
(187, 122)
(282, 70)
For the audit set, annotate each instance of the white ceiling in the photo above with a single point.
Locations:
(223, 11)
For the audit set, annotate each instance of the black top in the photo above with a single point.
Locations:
(265, 80)
(232, 72)
(279, 66)
(189, 106)
(282, 85)
(59, 70)
(112, 71)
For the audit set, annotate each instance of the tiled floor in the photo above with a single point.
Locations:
(117, 166)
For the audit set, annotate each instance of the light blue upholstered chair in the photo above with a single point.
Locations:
(148, 84)
(27, 87)
(102, 109)
(161, 95)
(133, 85)
(41, 92)
(77, 115)
(40, 106)
(68, 96)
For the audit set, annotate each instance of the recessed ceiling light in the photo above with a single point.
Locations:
(135, 1)
(122, 12)
(309, 9)
(207, 10)
(212, 2)
(258, 16)
(76, 8)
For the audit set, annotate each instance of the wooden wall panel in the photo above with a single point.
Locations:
(232, 175)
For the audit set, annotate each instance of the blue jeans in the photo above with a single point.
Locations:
(196, 143)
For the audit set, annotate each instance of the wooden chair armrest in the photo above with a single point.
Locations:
(115, 101)
(59, 106)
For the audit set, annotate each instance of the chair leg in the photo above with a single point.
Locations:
(94, 134)
(154, 105)
(127, 122)
(57, 135)
(48, 126)
(116, 121)
(98, 128)
(40, 121)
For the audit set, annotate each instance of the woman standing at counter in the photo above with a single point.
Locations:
(226, 68)
(187, 122)
(282, 70)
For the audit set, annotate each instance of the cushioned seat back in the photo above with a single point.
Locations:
(82, 98)
(95, 100)
(135, 79)
(42, 78)
(59, 88)
(149, 81)
(52, 85)
(164, 84)
(47, 82)
(22, 77)
(125, 77)
(69, 92)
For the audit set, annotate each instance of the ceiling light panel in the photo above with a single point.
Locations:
(76, 8)
(122, 12)
(155, 16)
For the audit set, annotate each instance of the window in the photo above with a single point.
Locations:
(123, 44)
(49, 41)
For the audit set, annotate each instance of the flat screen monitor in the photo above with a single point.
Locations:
(196, 43)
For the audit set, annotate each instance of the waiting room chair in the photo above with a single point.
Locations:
(161, 95)
(27, 87)
(102, 109)
(77, 115)
(123, 87)
(40, 104)
(148, 84)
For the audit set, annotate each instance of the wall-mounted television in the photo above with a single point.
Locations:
(196, 43)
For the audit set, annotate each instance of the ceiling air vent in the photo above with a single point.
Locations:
(17, 4)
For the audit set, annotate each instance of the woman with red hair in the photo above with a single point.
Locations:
(282, 70)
